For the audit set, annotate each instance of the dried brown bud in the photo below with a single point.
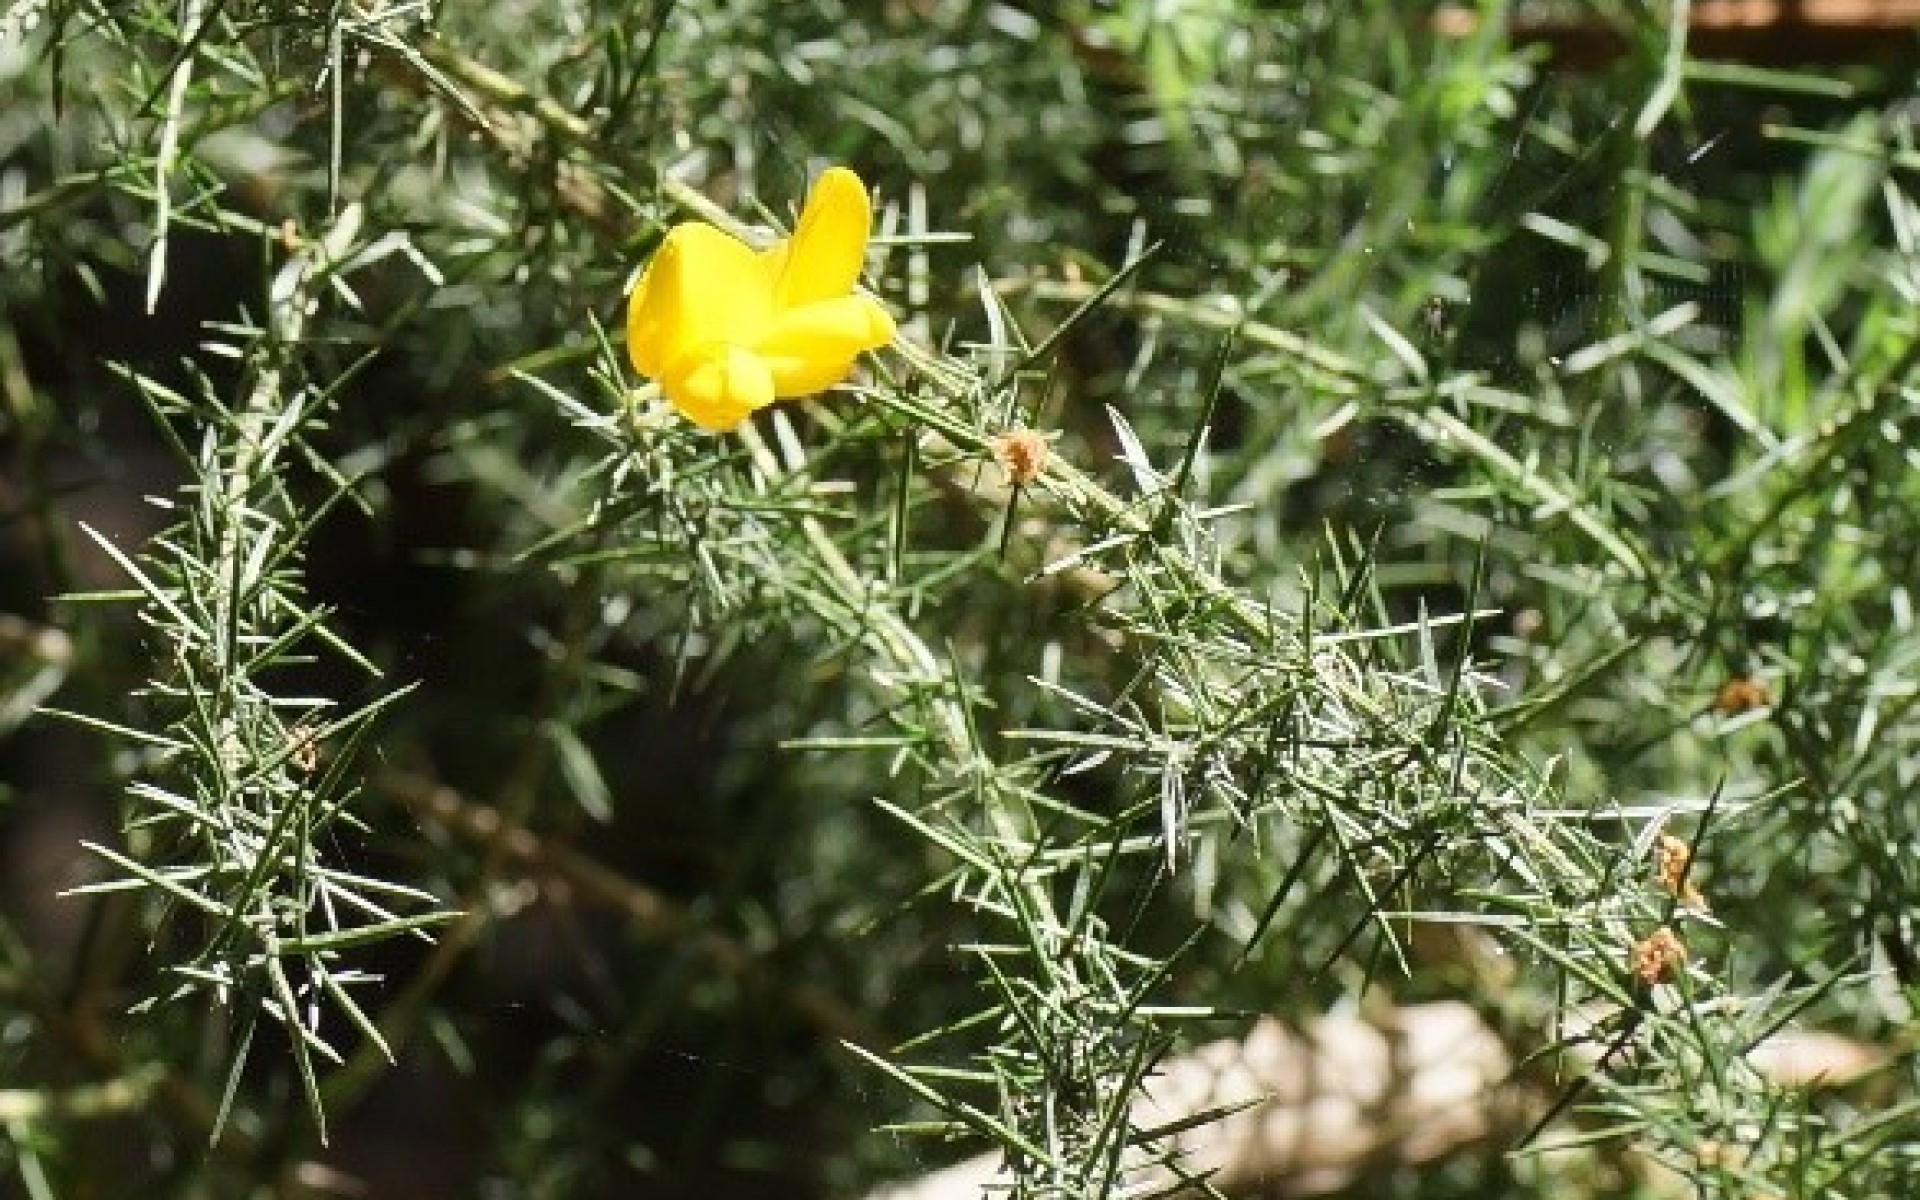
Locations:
(1671, 858)
(1657, 956)
(1741, 694)
(1022, 454)
(1714, 1154)
(305, 752)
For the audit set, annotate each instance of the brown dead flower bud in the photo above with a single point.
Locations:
(1671, 858)
(1657, 956)
(1022, 454)
(304, 751)
(1741, 694)
(1713, 1153)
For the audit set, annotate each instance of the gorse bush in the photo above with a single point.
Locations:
(1096, 599)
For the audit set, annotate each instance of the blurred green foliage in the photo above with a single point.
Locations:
(1465, 469)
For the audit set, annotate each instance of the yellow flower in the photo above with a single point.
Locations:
(727, 331)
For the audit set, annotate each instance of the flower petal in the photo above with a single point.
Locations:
(822, 259)
(813, 346)
(836, 328)
(703, 286)
(719, 386)
(804, 376)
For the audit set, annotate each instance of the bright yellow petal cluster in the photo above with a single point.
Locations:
(726, 330)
